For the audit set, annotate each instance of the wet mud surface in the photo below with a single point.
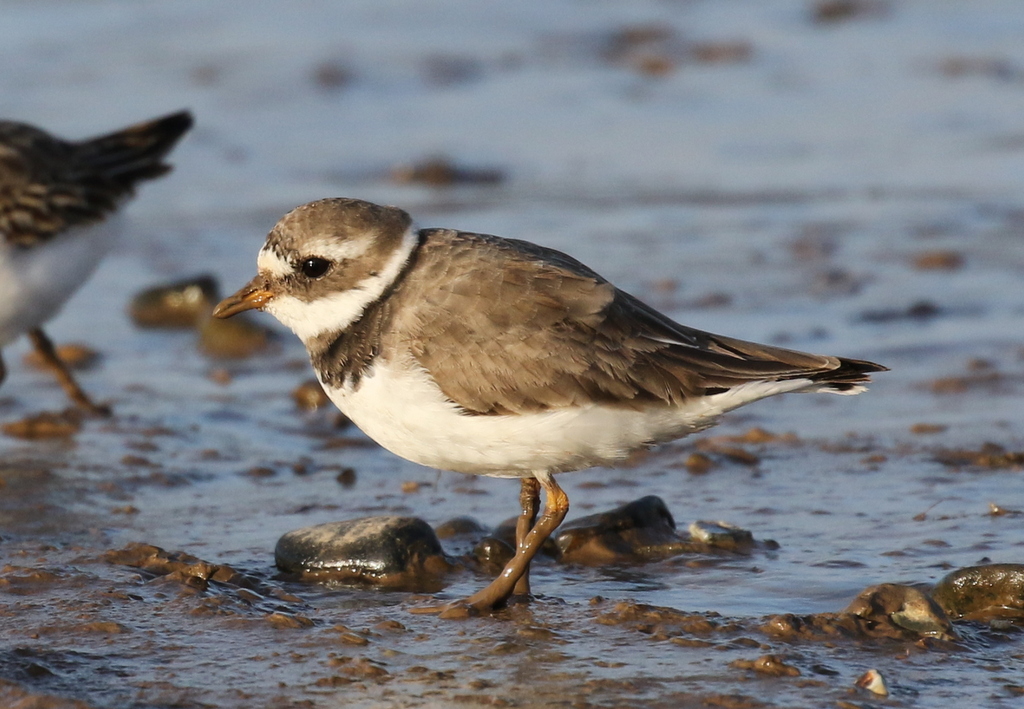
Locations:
(756, 171)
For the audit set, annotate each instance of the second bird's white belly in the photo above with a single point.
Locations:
(36, 281)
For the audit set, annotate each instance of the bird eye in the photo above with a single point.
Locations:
(314, 267)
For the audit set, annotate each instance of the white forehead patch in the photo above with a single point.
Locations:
(336, 311)
(269, 262)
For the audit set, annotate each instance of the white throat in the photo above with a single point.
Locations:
(336, 312)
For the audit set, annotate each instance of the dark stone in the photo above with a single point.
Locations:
(183, 304)
(492, 554)
(392, 552)
(982, 592)
(638, 531)
(460, 527)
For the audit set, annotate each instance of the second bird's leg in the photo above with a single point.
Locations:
(529, 501)
(60, 370)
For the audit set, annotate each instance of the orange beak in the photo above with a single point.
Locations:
(253, 295)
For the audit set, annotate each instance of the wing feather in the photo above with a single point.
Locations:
(543, 331)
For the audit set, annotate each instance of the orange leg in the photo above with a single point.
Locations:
(529, 501)
(64, 377)
(495, 594)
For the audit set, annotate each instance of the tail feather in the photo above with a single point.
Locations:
(848, 376)
(134, 153)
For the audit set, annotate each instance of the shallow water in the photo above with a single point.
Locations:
(787, 197)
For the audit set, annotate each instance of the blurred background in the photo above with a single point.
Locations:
(840, 176)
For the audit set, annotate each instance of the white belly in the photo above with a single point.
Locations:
(404, 411)
(36, 281)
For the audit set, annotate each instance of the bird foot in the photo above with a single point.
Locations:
(470, 608)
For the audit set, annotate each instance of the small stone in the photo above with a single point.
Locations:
(260, 471)
(995, 510)
(309, 396)
(982, 593)
(235, 338)
(698, 464)
(181, 305)
(393, 552)
(492, 553)
(410, 486)
(638, 531)
(771, 665)
(459, 527)
(939, 261)
(443, 172)
(927, 429)
(346, 477)
(825, 11)
(287, 620)
(45, 425)
(348, 637)
(74, 355)
(331, 76)
(721, 535)
(905, 607)
(873, 682)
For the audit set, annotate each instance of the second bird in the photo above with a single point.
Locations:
(55, 196)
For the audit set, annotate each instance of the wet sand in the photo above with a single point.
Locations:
(817, 194)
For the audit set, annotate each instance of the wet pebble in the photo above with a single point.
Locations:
(991, 455)
(180, 305)
(236, 338)
(309, 396)
(939, 261)
(459, 527)
(769, 665)
(346, 477)
(76, 356)
(698, 464)
(721, 535)
(444, 172)
(883, 612)
(392, 552)
(45, 425)
(638, 531)
(492, 553)
(982, 593)
(331, 75)
(903, 606)
(921, 310)
(828, 11)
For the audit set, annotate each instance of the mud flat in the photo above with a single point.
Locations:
(840, 177)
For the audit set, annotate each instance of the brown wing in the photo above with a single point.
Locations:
(48, 184)
(542, 331)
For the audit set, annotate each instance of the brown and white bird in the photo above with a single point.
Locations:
(55, 197)
(493, 356)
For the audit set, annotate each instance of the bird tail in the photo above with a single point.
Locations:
(848, 378)
(133, 153)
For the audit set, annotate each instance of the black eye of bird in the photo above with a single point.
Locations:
(314, 267)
